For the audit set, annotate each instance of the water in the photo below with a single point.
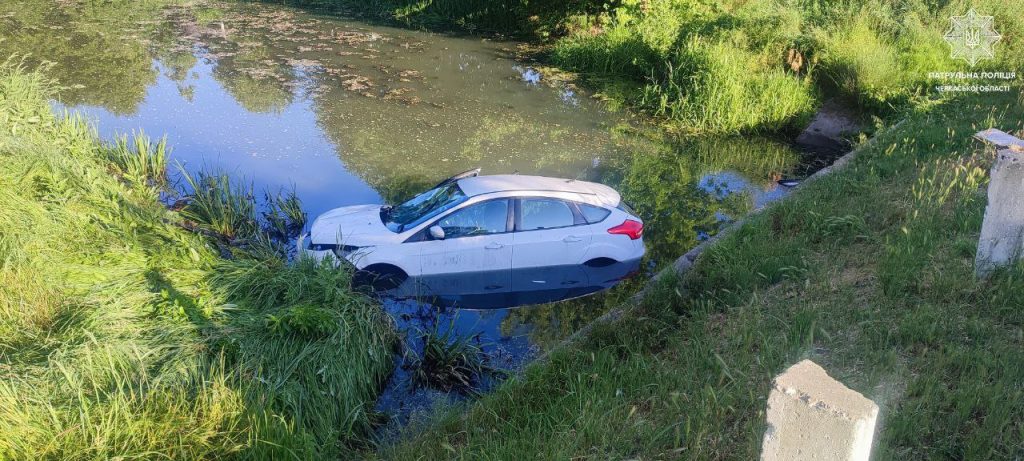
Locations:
(346, 113)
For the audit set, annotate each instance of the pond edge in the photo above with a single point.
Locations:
(684, 263)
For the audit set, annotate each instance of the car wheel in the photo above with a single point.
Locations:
(600, 262)
(380, 277)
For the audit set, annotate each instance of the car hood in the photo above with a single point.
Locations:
(358, 225)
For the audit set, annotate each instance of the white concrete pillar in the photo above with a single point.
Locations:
(814, 417)
(1002, 232)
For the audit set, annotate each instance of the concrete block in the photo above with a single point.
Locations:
(814, 417)
(1002, 233)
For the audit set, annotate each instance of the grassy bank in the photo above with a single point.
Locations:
(728, 66)
(124, 335)
(867, 271)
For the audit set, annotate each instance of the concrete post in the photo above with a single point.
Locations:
(814, 417)
(1002, 232)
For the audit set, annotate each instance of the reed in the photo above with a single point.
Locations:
(450, 362)
(283, 218)
(218, 205)
(140, 159)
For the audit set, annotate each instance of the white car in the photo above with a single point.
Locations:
(486, 226)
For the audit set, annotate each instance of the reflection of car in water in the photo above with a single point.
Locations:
(474, 235)
(529, 286)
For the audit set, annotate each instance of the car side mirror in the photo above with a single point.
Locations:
(437, 232)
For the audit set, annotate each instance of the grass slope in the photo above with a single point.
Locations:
(123, 335)
(867, 271)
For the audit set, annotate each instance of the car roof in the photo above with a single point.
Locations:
(478, 185)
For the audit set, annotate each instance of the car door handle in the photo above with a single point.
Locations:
(572, 239)
(494, 246)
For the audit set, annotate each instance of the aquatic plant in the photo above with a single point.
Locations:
(283, 218)
(219, 206)
(139, 159)
(449, 362)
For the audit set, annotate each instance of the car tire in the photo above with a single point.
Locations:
(600, 262)
(380, 277)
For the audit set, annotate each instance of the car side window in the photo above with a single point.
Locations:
(593, 214)
(545, 213)
(485, 218)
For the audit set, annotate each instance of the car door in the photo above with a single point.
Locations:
(549, 243)
(476, 254)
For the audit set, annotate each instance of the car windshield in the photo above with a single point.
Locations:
(424, 206)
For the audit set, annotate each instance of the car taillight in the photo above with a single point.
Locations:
(634, 229)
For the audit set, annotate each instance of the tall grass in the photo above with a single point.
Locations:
(124, 335)
(699, 67)
(220, 206)
(722, 88)
(140, 160)
(284, 217)
(763, 66)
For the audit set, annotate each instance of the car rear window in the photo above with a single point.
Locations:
(593, 214)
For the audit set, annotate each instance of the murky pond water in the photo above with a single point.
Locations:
(347, 113)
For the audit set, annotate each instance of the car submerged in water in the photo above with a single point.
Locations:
(473, 235)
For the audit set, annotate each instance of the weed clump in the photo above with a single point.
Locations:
(303, 320)
(219, 206)
(140, 160)
(450, 362)
(228, 210)
(284, 217)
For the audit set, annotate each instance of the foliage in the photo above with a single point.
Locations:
(723, 89)
(730, 66)
(139, 160)
(449, 362)
(284, 217)
(124, 335)
(303, 320)
(219, 206)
